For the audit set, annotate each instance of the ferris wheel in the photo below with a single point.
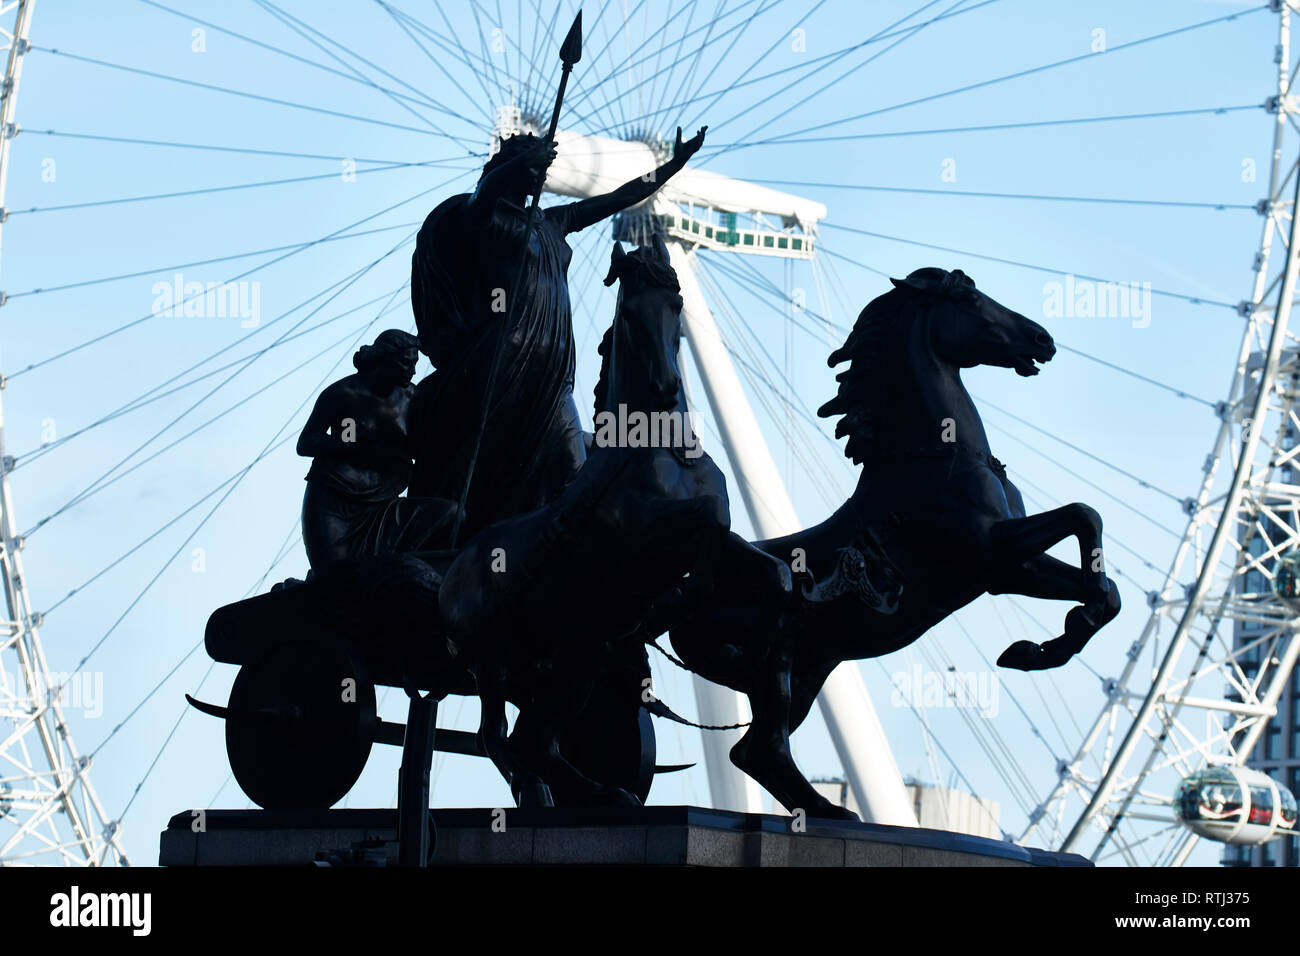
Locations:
(773, 267)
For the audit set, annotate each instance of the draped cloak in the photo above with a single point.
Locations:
(461, 274)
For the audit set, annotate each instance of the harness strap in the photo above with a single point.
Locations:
(942, 450)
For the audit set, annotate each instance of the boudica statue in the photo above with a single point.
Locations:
(466, 257)
(525, 568)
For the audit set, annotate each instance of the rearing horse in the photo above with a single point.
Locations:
(546, 606)
(932, 524)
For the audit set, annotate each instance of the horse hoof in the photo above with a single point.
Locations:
(1024, 656)
(529, 790)
(615, 797)
(833, 812)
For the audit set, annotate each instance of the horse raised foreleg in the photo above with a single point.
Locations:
(1017, 540)
(1043, 576)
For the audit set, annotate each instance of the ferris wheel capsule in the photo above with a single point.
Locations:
(1235, 805)
(1286, 581)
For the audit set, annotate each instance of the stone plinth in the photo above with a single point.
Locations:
(650, 836)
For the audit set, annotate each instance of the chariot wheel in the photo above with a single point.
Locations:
(300, 725)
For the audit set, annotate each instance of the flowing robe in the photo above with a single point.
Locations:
(461, 276)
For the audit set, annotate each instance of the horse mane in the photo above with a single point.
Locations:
(862, 393)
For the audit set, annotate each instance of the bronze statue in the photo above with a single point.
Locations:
(357, 439)
(575, 559)
(465, 259)
(933, 523)
(548, 605)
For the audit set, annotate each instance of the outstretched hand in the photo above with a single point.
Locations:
(684, 151)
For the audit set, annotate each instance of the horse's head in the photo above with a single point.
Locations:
(906, 351)
(975, 329)
(641, 355)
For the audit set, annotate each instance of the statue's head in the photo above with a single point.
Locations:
(511, 148)
(390, 360)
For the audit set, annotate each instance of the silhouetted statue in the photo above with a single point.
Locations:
(466, 257)
(932, 524)
(546, 605)
(357, 439)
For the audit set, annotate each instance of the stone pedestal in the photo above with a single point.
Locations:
(649, 836)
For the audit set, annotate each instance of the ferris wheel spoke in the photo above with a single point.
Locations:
(160, 392)
(475, 9)
(988, 664)
(1082, 451)
(351, 75)
(676, 56)
(407, 23)
(1034, 197)
(172, 672)
(1192, 299)
(297, 246)
(94, 340)
(613, 72)
(654, 93)
(674, 101)
(992, 127)
(1017, 75)
(723, 56)
(736, 84)
(1137, 375)
(804, 99)
(956, 767)
(652, 81)
(537, 46)
(305, 31)
(105, 479)
(244, 150)
(281, 553)
(212, 87)
(230, 485)
(209, 190)
(606, 75)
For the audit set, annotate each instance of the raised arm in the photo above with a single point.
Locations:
(587, 212)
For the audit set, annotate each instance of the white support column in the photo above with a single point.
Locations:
(855, 730)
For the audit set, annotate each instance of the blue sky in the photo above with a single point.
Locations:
(1192, 251)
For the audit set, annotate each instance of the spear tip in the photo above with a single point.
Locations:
(571, 49)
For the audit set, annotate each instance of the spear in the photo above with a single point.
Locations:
(570, 53)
